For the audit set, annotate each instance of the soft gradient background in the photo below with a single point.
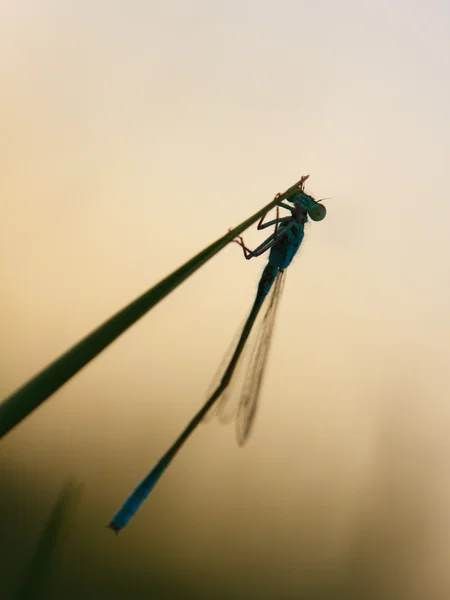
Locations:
(132, 135)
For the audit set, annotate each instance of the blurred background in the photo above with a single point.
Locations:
(135, 133)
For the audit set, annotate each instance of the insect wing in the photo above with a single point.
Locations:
(227, 407)
(224, 409)
(248, 402)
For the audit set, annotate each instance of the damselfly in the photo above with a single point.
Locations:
(283, 244)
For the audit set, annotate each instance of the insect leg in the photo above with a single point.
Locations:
(266, 245)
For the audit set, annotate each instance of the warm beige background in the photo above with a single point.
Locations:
(135, 133)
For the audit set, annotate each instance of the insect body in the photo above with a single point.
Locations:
(283, 245)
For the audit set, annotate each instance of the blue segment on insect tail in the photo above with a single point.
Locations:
(132, 504)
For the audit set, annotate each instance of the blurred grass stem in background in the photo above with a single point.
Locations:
(42, 565)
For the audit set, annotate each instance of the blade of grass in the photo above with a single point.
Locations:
(42, 564)
(23, 401)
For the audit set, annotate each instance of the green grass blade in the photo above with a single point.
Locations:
(41, 566)
(27, 398)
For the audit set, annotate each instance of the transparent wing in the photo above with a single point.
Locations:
(248, 402)
(233, 406)
(224, 409)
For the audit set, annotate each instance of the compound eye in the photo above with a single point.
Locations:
(317, 212)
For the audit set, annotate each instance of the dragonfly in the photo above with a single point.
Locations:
(283, 244)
